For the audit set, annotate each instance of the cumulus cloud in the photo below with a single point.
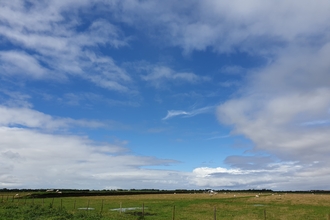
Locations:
(245, 178)
(271, 175)
(251, 26)
(284, 110)
(284, 106)
(32, 155)
(278, 100)
(32, 159)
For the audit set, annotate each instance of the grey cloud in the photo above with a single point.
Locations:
(247, 26)
(316, 123)
(274, 176)
(249, 162)
(277, 101)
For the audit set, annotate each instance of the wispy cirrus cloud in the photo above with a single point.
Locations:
(22, 64)
(27, 117)
(58, 46)
(88, 98)
(218, 137)
(160, 75)
(174, 113)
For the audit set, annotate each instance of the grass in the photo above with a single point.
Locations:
(187, 206)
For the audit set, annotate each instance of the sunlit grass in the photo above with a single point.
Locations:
(184, 206)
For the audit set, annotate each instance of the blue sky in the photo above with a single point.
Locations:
(165, 94)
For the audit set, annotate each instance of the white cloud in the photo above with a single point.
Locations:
(275, 104)
(44, 29)
(272, 175)
(15, 99)
(32, 159)
(20, 63)
(252, 26)
(160, 75)
(173, 113)
(278, 99)
(33, 156)
(22, 116)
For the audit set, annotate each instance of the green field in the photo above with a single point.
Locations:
(200, 206)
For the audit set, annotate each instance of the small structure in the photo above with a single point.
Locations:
(128, 209)
(86, 208)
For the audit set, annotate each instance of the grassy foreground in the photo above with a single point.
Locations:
(169, 206)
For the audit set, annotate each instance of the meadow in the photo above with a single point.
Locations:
(199, 206)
